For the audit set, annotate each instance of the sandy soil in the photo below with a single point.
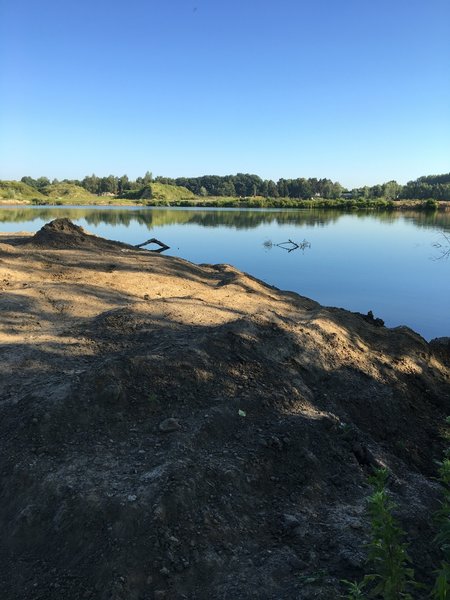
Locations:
(172, 430)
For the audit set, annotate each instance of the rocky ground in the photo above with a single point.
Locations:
(180, 431)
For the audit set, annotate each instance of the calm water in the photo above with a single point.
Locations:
(385, 262)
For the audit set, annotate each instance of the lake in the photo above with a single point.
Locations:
(384, 262)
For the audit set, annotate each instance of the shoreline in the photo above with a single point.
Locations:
(224, 202)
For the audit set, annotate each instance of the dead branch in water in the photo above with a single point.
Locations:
(443, 248)
(290, 245)
(154, 241)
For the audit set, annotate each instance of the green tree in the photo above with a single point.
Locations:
(147, 192)
(272, 190)
(29, 181)
(227, 189)
(109, 185)
(91, 183)
(123, 184)
(148, 178)
(42, 182)
(391, 190)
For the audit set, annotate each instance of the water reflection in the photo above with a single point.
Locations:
(231, 218)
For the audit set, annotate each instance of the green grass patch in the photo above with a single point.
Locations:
(161, 194)
(16, 191)
(262, 202)
(68, 192)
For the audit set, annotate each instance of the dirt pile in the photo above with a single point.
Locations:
(178, 431)
(63, 234)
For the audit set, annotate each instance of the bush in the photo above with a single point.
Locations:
(431, 204)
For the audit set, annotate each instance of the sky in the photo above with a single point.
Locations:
(356, 91)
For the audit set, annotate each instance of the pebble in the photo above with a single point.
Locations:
(131, 497)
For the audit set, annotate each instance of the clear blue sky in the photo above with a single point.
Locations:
(357, 91)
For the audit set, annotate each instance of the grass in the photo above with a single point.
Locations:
(317, 203)
(16, 191)
(163, 191)
(161, 194)
(67, 191)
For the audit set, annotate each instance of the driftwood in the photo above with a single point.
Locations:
(162, 248)
(443, 248)
(290, 245)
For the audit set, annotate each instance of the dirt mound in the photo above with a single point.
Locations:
(174, 431)
(62, 234)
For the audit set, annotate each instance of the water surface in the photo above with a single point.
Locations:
(384, 262)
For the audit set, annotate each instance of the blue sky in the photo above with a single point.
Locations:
(356, 91)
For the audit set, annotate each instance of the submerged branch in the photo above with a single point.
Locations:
(443, 248)
(162, 248)
(290, 245)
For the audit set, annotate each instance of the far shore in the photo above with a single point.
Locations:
(248, 202)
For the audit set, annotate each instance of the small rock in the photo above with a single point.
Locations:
(363, 454)
(169, 425)
(131, 497)
(165, 571)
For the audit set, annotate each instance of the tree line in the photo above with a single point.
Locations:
(436, 187)
(95, 185)
(244, 185)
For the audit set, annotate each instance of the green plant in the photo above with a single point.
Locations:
(431, 204)
(313, 578)
(354, 590)
(392, 575)
(441, 589)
